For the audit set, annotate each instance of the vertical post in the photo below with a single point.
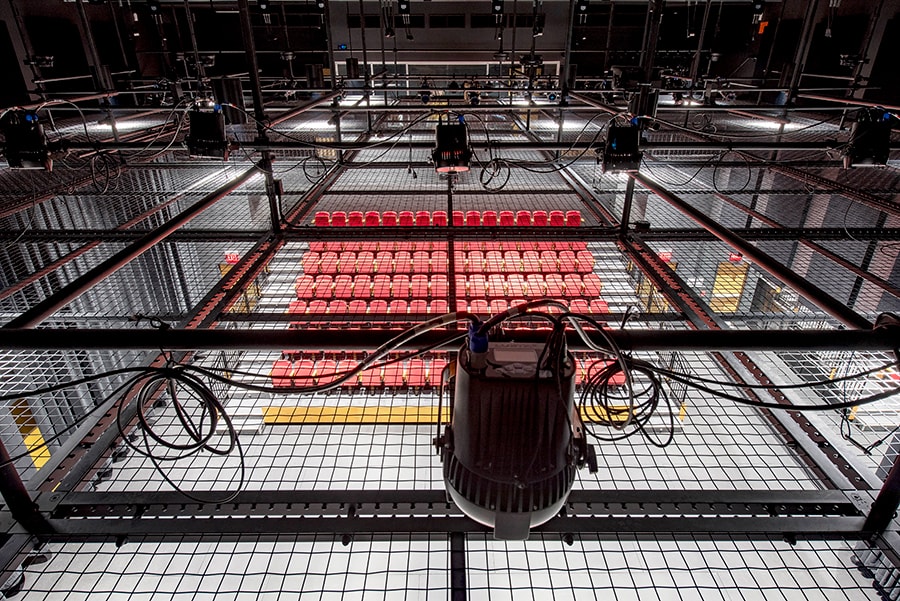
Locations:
(250, 47)
(648, 56)
(802, 48)
(330, 43)
(198, 64)
(701, 35)
(567, 56)
(626, 206)
(15, 495)
(886, 503)
(457, 566)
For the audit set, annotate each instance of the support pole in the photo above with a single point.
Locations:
(16, 496)
(80, 285)
(458, 566)
(808, 290)
(255, 87)
(884, 509)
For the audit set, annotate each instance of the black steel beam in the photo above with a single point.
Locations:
(805, 288)
(458, 567)
(879, 339)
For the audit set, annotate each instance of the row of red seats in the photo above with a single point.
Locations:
(475, 261)
(464, 245)
(514, 285)
(439, 218)
(306, 372)
(414, 373)
(398, 307)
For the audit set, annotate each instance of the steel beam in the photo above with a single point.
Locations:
(881, 204)
(55, 302)
(879, 339)
(808, 290)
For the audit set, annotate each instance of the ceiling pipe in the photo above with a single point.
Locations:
(805, 288)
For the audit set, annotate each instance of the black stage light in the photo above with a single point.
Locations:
(206, 137)
(514, 443)
(870, 139)
(154, 6)
(451, 152)
(622, 150)
(26, 142)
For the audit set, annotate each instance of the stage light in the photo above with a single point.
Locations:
(451, 152)
(622, 151)
(206, 137)
(26, 142)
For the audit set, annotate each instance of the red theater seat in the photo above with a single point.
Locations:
(414, 375)
(381, 286)
(398, 307)
(358, 307)
(282, 374)
(371, 378)
(574, 286)
(540, 218)
(389, 218)
(573, 218)
(317, 307)
(475, 264)
(554, 285)
(461, 285)
(362, 287)
(310, 262)
(557, 218)
(402, 261)
(489, 218)
(347, 262)
(378, 306)
(499, 306)
(599, 306)
(304, 286)
(439, 287)
(355, 219)
(406, 218)
(531, 262)
(513, 261)
(473, 218)
(435, 371)
(579, 305)
(458, 218)
(566, 261)
(507, 218)
(329, 263)
(393, 375)
(419, 286)
(439, 218)
(400, 286)
(420, 262)
(322, 219)
(493, 262)
(339, 219)
(536, 286)
(479, 306)
(515, 285)
(477, 286)
(303, 372)
(343, 287)
(423, 218)
(496, 285)
(439, 261)
(418, 307)
(384, 262)
(440, 306)
(592, 284)
(523, 218)
(549, 262)
(325, 370)
(585, 261)
(337, 307)
(373, 219)
(347, 365)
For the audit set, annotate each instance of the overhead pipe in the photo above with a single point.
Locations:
(53, 303)
(805, 288)
(308, 106)
(877, 339)
(850, 101)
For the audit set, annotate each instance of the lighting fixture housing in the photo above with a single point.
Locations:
(26, 142)
(622, 150)
(451, 152)
(206, 137)
(870, 139)
(511, 452)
